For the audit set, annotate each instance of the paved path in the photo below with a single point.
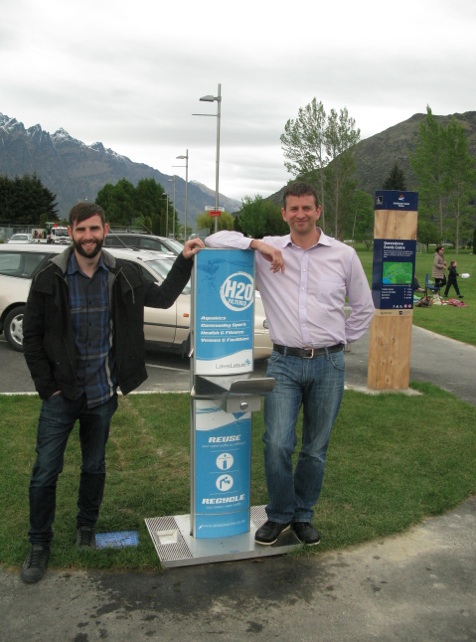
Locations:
(416, 587)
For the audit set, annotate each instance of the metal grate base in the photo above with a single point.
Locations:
(176, 547)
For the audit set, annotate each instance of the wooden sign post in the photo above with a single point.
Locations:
(395, 231)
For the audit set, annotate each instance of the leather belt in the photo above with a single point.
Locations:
(307, 353)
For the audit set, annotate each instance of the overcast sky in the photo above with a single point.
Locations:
(130, 74)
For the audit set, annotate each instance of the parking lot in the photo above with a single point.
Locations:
(167, 372)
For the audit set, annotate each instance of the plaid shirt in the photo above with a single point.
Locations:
(91, 320)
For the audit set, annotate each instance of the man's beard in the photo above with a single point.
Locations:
(89, 255)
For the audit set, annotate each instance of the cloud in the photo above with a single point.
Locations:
(131, 74)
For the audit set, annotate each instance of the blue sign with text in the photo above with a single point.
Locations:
(393, 273)
(224, 311)
(222, 471)
(394, 200)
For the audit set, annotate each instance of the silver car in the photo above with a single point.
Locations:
(167, 330)
(21, 238)
(142, 242)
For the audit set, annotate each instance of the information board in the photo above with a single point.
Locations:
(395, 200)
(393, 274)
(222, 470)
(224, 311)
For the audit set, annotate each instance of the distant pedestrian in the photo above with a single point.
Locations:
(439, 266)
(453, 279)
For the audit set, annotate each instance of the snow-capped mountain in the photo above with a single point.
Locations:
(75, 171)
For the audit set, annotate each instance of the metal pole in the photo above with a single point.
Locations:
(167, 217)
(173, 224)
(186, 191)
(172, 180)
(182, 157)
(217, 169)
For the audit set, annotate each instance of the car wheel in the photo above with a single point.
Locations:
(13, 327)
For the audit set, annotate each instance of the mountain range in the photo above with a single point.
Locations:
(75, 171)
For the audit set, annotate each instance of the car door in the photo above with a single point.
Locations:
(160, 326)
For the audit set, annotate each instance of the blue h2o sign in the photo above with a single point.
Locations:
(237, 291)
(224, 311)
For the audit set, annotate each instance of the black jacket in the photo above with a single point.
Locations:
(48, 339)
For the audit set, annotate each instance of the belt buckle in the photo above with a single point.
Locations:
(312, 353)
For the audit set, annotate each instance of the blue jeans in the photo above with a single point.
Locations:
(317, 385)
(57, 418)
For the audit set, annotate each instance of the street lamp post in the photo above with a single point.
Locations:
(210, 99)
(185, 158)
(166, 196)
(170, 180)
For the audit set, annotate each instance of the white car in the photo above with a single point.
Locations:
(142, 242)
(21, 238)
(167, 330)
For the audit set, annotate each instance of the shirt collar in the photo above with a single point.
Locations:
(73, 267)
(323, 239)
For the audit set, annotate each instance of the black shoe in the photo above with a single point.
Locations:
(35, 564)
(269, 532)
(306, 533)
(86, 537)
(460, 296)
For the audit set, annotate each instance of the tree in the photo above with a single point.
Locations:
(427, 233)
(145, 206)
(446, 174)
(341, 139)
(395, 180)
(428, 163)
(320, 150)
(206, 222)
(118, 202)
(303, 144)
(23, 200)
(259, 217)
(363, 217)
(460, 179)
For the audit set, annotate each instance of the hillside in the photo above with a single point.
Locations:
(377, 154)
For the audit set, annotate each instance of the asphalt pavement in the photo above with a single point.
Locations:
(415, 587)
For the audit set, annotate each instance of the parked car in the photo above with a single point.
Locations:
(21, 238)
(143, 242)
(166, 330)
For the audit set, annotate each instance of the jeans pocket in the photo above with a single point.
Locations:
(274, 357)
(338, 360)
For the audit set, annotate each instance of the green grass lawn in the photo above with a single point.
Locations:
(393, 460)
(456, 323)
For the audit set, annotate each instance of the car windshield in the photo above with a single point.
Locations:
(162, 267)
(175, 245)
